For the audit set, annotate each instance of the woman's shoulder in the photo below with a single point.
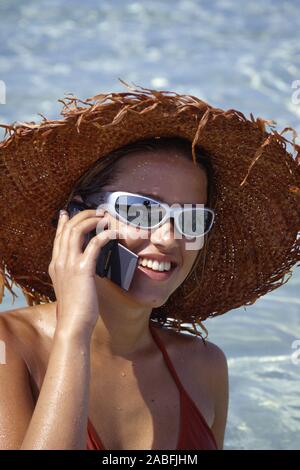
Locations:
(201, 367)
(20, 321)
(28, 328)
(194, 345)
(17, 322)
(15, 336)
(18, 390)
(28, 316)
(195, 357)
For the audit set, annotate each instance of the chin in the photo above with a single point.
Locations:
(148, 299)
(138, 294)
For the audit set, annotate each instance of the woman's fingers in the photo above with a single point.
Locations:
(68, 229)
(63, 218)
(71, 234)
(78, 234)
(72, 275)
(94, 246)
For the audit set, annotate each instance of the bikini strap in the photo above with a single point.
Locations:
(166, 357)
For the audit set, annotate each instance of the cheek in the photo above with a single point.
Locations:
(187, 266)
(191, 250)
(190, 257)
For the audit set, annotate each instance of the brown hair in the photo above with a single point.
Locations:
(105, 170)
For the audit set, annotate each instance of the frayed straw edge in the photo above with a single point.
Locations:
(260, 123)
(74, 113)
(7, 280)
(177, 324)
(274, 135)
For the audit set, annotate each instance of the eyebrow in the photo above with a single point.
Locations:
(156, 196)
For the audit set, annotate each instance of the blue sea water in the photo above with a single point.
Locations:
(242, 55)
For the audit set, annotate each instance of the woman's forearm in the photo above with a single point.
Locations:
(60, 415)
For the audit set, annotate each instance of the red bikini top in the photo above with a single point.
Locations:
(194, 432)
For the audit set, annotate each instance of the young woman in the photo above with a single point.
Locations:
(93, 369)
(89, 365)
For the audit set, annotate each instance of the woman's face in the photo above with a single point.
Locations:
(170, 177)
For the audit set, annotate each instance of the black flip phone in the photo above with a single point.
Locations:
(115, 261)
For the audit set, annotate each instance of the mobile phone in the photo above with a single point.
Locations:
(115, 261)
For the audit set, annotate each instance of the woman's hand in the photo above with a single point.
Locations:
(73, 271)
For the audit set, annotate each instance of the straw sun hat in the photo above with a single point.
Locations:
(254, 241)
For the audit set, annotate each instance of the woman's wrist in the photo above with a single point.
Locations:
(65, 332)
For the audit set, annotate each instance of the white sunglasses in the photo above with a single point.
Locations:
(192, 220)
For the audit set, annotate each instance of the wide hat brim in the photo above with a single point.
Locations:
(254, 241)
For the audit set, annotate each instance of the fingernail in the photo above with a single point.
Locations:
(62, 212)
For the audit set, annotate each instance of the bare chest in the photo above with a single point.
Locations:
(139, 407)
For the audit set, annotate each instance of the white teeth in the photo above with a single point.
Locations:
(161, 266)
(155, 265)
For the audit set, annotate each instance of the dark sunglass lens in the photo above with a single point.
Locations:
(139, 211)
(195, 221)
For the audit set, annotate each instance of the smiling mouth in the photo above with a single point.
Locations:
(172, 265)
(157, 275)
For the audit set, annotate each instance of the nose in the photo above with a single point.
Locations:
(164, 234)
